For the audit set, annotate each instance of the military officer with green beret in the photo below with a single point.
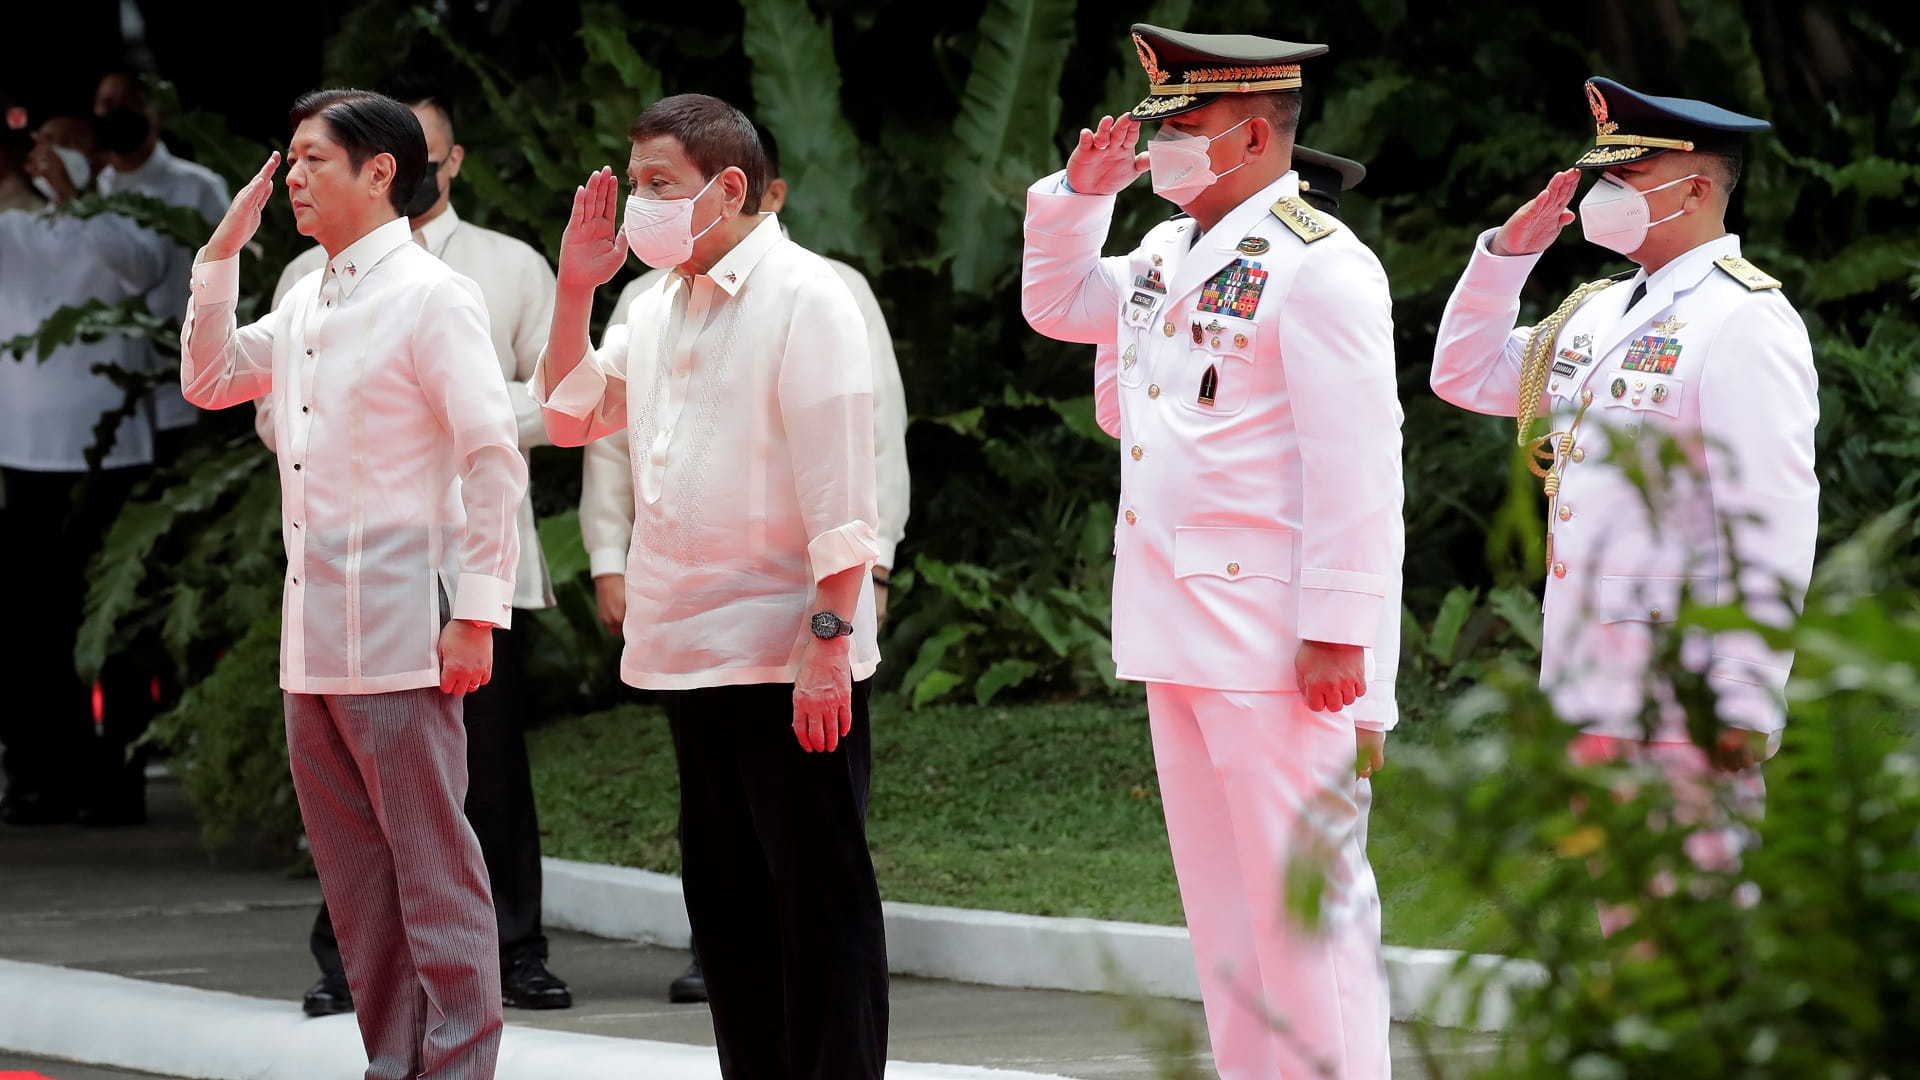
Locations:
(1259, 542)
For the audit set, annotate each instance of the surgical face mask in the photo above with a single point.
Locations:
(1180, 165)
(660, 231)
(427, 193)
(1614, 213)
(77, 170)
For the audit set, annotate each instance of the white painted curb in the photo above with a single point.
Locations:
(994, 948)
(123, 1023)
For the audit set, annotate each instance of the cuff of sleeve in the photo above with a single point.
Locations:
(604, 561)
(218, 280)
(884, 551)
(1055, 211)
(484, 598)
(1341, 607)
(1504, 274)
(844, 548)
(578, 395)
(1378, 711)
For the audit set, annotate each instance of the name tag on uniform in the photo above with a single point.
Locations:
(1561, 367)
(1142, 299)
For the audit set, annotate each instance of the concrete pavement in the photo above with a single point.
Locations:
(146, 903)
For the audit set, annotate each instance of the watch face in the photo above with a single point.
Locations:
(825, 625)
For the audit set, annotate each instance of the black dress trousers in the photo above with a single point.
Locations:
(780, 887)
(500, 807)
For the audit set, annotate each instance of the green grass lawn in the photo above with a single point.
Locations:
(1044, 809)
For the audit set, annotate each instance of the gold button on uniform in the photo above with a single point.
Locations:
(1233, 568)
(1138, 453)
(1132, 517)
(1168, 329)
(1579, 454)
(1654, 613)
(1566, 513)
(1239, 341)
(1153, 391)
(1559, 569)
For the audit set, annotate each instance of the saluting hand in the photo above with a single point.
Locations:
(1533, 227)
(593, 247)
(242, 219)
(1331, 676)
(1105, 161)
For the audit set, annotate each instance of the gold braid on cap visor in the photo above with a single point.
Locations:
(1250, 80)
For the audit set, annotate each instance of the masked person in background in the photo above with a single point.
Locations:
(60, 764)
(1258, 550)
(1696, 350)
(133, 159)
(743, 382)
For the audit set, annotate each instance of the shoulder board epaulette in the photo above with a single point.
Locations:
(1306, 222)
(1746, 273)
(1624, 275)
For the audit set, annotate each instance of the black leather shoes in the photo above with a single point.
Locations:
(329, 996)
(21, 808)
(525, 983)
(690, 987)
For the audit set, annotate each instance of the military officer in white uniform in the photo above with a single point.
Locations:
(1259, 544)
(1696, 350)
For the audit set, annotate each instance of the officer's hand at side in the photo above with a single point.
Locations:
(466, 657)
(593, 247)
(1369, 752)
(1737, 749)
(243, 214)
(1533, 227)
(1105, 161)
(1331, 676)
(610, 602)
(823, 694)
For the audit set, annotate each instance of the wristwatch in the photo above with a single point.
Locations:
(826, 626)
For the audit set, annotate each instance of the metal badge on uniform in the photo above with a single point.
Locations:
(1659, 393)
(1233, 291)
(1209, 386)
(1199, 335)
(1255, 245)
(1583, 342)
(1127, 359)
(1619, 388)
(1142, 298)
(1561, 367)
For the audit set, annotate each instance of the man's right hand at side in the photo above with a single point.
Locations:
(610, 600)
(1534, 227)
(1105, 162)
(592, 247)
(243, 214)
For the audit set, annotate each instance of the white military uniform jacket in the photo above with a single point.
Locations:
(1706, 363)
(1260, 499)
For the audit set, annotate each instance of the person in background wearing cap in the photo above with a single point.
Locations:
(1696, 349)
(517, 284)
(60, 765)
(1259, 547)
(606, 474)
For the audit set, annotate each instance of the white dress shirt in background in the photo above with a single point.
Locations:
(517, 285)
(177, 183)
(747, 395)
(386, 396)
(606, 476)
(48, 410)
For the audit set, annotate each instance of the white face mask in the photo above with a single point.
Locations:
(1180, 165)
(660, 231)
(1614, 214)
(78, 171)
